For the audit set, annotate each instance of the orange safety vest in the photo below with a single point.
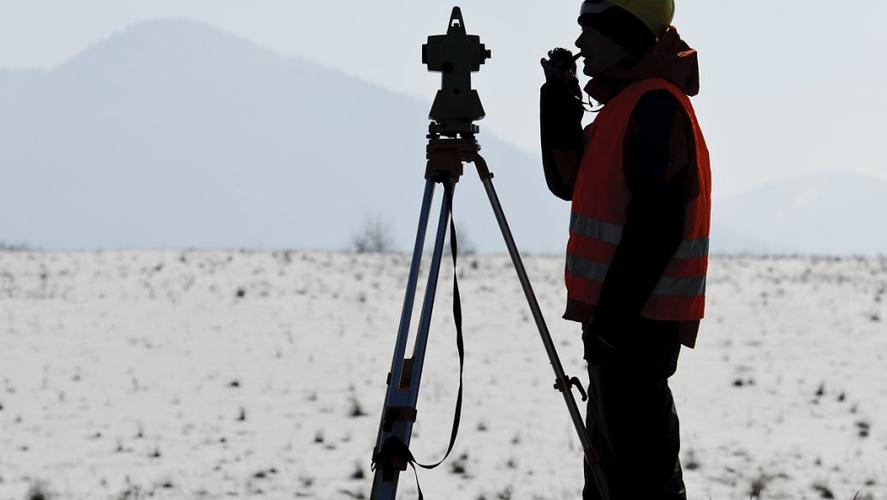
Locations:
(600, 199)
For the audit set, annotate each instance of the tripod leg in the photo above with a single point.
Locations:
(590, 454)
(407, 311)
(428, 302)
(399, 412)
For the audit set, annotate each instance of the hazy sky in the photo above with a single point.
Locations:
(788, 87)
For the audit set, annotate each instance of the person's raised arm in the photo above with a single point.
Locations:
(560, 113)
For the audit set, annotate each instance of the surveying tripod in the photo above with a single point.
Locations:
(451, 142)
(391, 455)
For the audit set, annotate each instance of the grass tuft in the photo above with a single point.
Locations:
(39, 490)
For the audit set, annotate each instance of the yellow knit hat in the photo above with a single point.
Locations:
(656, 14)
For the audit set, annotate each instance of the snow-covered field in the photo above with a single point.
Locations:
(261, 375)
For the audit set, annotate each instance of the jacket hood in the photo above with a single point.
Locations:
(670, 58)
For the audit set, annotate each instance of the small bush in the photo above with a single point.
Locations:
(15, 247)
(374, 237)
(356, 409)
(823, 490)
(38, 491)
(758, 485)
(358, 473)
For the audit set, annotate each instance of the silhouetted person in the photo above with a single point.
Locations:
(639, 181)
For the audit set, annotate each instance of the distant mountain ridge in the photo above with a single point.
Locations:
(837, 212)
(173, 134)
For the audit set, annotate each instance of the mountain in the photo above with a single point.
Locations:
(172, 134)
(827, 213)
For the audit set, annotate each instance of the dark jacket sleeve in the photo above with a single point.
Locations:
(655, 216)
(560, 116)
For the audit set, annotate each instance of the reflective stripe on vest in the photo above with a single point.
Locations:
(680, 287)
(597, 229)
(586, 268)
(692, 249)
(668, 285)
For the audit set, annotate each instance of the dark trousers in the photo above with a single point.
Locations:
(631, 415)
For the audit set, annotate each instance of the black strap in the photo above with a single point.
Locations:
(394, 447)
(457, 319)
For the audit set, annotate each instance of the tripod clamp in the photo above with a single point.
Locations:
(566, 384)
(393, 455)
(446, 156)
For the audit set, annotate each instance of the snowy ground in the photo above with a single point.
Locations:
(261, 375)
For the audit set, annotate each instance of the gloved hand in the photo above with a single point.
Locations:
(560, 113)
(560, 71)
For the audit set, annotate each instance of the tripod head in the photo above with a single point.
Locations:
(455, 55)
